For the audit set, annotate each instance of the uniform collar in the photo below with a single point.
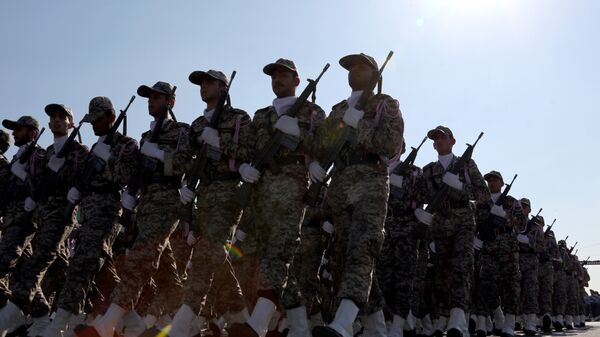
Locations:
(446, 160)
(282, 104)
(60, 142)
(354, 96)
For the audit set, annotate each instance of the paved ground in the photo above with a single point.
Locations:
(592, 329)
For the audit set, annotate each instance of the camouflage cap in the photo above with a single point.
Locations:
(197, 76)
(54, 107)
(281, 63)
(22, 121)
(490, 174)
(440, 128)
(525, 201)
(99, 106)
(540, 219)
(159, 87)
(562, 243)
(5, 138)
(349, 60)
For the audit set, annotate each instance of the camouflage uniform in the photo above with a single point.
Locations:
(277, 204)
(55, 227)
(100, 209)
(397, 262)
(216, 213)
(559, 298)
(157, 217)
(358, 194)
(528, 262)
(546, 274)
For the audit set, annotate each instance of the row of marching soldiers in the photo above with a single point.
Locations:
(287, 223)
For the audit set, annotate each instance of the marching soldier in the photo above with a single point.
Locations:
(358, 195)
(546, 278)
(5, 142)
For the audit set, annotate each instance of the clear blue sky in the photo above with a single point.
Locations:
(524, 72)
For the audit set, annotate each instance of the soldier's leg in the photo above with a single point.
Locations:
(169, 286)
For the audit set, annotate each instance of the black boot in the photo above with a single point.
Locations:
(454, 333)
(324, 331)
(546, 324)
(558, 326)
(472, 326)
(438, 333)
(480, 333)
(241, 330)
(528, 332)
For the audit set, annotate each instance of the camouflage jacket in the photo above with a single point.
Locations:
(551, 246)
(174, 141)
(402, 201)
(56, 185)
(236, 139)
(35, 169)
(535, 234)
(4, 170)
(310, 117)
(514, 214)
(121, 165)
(379, 132)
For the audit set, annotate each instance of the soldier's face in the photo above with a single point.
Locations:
(157, 104)
(23, 134)
(360, 76)
(494, 184)
(526, 209)
(210, 89)
(284, 83)
(60, 123)
(103, 124)
(443, 144)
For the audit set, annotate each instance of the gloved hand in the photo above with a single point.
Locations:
(452, 180)
(523, 239)
(249, 173)
(29, 205)
(396, 180)
(210, 136)
(73, 195)
(477, 244)
(102, 151)
(55, 163)
(316, 172)
(191, 239)
(19, 170)
(186, 195)
(128, 201)
(498, 210)
(423, 216)
(185, 229)
(328, 227)
(239, 236)
(353, 116)
(152, 150)
(432, 246)
(288, 125)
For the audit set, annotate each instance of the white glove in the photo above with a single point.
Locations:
(316, 172)
(288, 125)
(210, 136)
(353, 116)
(432, 246)
(19, 170)
(523, 239)
(498, 211)
(452, 180)
(249, 173)
(55, 163)
(239, 236)
(102, 151)
(423, 216)
(186, 195)
(152, 150)
(191, 239)
(74, 195)
(396, 180)
(327, 227)
(477, 244)
(128, 201)
(30, 205)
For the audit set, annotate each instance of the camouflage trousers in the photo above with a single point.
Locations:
(528, 262)
(278, 210)
(99, 227)
(17, 231)
(46, 246)
(245, 263)
(157, 218)
(546, 277)
(216, 215)
(572, 296)
(397, 264)
(559, 294)
(422, 298)
(358, 198)
(453, 237)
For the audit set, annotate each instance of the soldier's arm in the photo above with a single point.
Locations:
(77, 159)
(308, 127)
(383, 137)
(178, 160)
(241, 150)
(123, 162)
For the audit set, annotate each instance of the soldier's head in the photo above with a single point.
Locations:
(212, 83)
(526, 204)
(494, 181)
(361, 70)
(101, 114)
(284, 77)
(61, 119)
(4, 141)
(161, 97)
(540, 220)
(443, 139)
(24, 130)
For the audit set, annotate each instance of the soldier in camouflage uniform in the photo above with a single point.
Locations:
(499, 276)
(99, 210)
(216, 212)
(157, 212)
(358, 195)
(452, 227)
(559, 298)
(55, 225)
(5, 142)
(277, 201)
(531, 245)
(546, 278)
(571, 273)
(397, 262)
